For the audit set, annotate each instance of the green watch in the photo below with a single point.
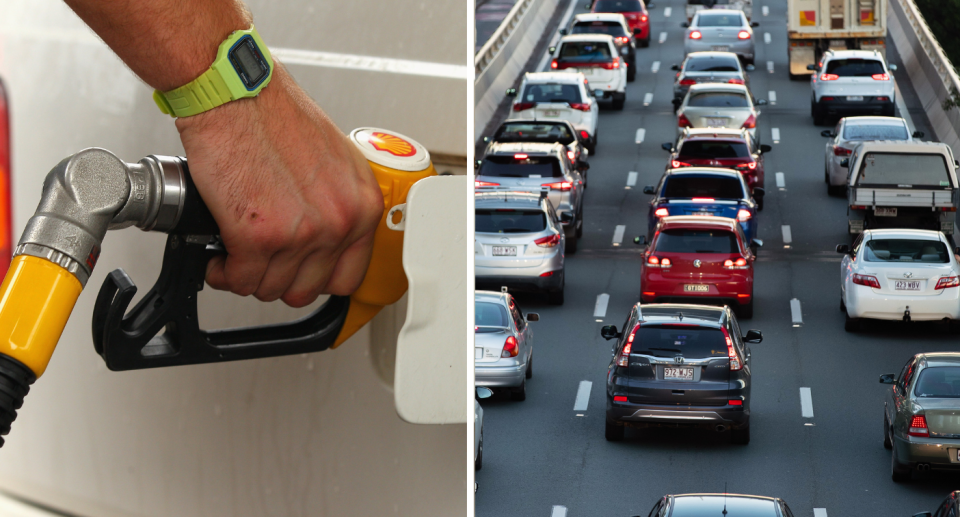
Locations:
(243, 67)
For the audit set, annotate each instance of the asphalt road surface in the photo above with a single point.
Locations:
(543, 458)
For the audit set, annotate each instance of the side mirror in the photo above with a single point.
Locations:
(551, 50)
(764, 148)
(563, 32)
(511, 92)
(755, 246)
(651, 5)
(957, 250)
(753, 336)
(759, 192)
(667, 146)
(640, 240)
(675, 67)
(754, 24)
(843, 248)
(812, 67)
(477, 165)
(891, 67)
(637, 32)
(845, 163)
(957, 163)
(761, 102)
(750, 68)
(566, 217)
(583, 166)
(685, 25)
(587, 5)
(484, 393)
(533, 316)
(486, 139)
(649, 190)
(889, 378)
(609, 332)
(918, 134)
(827, 133)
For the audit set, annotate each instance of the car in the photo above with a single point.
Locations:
(545, 131)
(664, 350)
(699, 259)
(528, 165)
(899, 274)
(558, 96)
(635, 11)
(519, 243)
(707, 67)
(503, 343)
(850, 130)
(851, 82)
(482, 393)
(721, 505)
(719, 106)
(695, 5)
(949, 507)
(720, 30)
(703, 191)
(920, 424)
(597, 57)
(613, 24)
(727, 148)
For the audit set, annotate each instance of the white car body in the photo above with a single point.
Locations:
(581, 120)
(608, 81)
(893, 302)
(842, 143)
(477, 434)
(849, 94)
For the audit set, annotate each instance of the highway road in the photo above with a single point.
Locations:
(543, 457)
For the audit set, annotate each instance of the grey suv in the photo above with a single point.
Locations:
(679, 365)
(503, 343)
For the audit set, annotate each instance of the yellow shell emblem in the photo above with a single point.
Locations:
(392, 144)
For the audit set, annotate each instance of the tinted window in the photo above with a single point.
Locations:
(490, 314)
(697, 241)
(713, 149)
(720, 20)
(906, 250)
(505, 220)
(715, 2)
(877, 132)
(534, 132)
(617, 6)
(611, 28)
(718, 187)
(904, 169)
(585, 51)
(690, 341)
(712, 64)
(938, 382)
(854, 67)
(718, 100)
(510, 167)
(698, 506)
(569, 93)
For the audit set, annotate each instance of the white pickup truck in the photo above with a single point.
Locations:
(901, 185)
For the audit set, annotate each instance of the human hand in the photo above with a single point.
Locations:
(295, 200)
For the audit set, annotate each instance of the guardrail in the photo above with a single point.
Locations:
(492, 47)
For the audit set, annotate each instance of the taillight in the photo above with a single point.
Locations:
(735, 81)
(510, 348)
(548, 273)
(883, 98)
(947, 281)
(687, 82)
(548, 242)
(619, 398)
(880, 77)
(749, 166)
(520, 156)
(553, 64)
(695, 35)
(584, 135)
(676, 164)
(654, 261)
(485, 184)
(829, 77)
(624, 358)
(743, 215)
(612, 65)
(683, 121)
(661, 212)
(622, 39)
(735, 402)
(520, 106)
(740, 263)
(735, 364)
(571, 155)
(5, 176)
(867, 280)
(643, 17)
(560, 185)
(918, 427)
(841, 151)
(743, 35)
(750, 123)
(580, 106)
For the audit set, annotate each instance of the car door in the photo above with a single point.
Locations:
(831, 161)
(524, 332)
(901, 398)
(572, 175)
(848, 266)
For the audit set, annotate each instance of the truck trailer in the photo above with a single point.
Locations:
(814, 26)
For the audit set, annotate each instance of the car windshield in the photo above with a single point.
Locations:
(718, 100)
(929, 170)
(534, 132)
(488, 314)
(611, 28)
(715, 2)
(854, 67)
(875, 132)
(690, 341)
(696, 241)
(507, 220)
(512, 167)
(906, 250)
(585, 52)
(698, 506)
(689, 186)
(712, 64)
(617, 6)
(569, 93)
(719, 20)
(938, 382)
(713, 149)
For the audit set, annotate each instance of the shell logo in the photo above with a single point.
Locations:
(392, 144)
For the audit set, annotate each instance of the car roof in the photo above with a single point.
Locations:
(903, 146)
(730, 173)
(539, 148)
(874, 120)
(718, 87)
(846, 54)
(887, 233)
(696, 221)
(586, 37)
(507, 199)
(711, 11)
(705, 133)
(736, 505)
(490, 296)
(940, 358)
(680, 312)
(599, 17)
(711, 54)
(554, 77)
(536, 122)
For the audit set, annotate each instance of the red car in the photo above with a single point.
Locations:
(699, 259)
(635, 11)
(719, 147)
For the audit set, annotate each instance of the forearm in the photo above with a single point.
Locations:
(167, 43)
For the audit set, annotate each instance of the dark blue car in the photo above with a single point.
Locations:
(704, 191)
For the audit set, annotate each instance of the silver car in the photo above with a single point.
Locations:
(503, 343)
(720, 30)
(708, 67)
(719, 106)
(519, 243)
(843, 138)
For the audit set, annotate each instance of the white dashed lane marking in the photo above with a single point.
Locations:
(766, 11)
(655, 67)
(766, 38)
(796, 316)
(583, 396)
(640, 134)
(667, 11)
(772, 97)
(806, 405)
(631, 179)
(618, 234)
(775, 135)
(559, 511)
(600, 308)
(663, 37)
(819, 512)
(787, 238)
(647, 99)
(770, 66)
(781, 181)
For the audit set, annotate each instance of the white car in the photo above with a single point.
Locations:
(718, 105)
(597, 57)
(844, 137)
(482, 393)
(558, 96)
(899, 274)
(851, 82)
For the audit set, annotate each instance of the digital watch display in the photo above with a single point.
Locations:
(249, 62)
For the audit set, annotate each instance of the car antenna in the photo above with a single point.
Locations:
(680, 316)
(724, 498)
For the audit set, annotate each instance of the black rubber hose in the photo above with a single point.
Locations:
(15, 381)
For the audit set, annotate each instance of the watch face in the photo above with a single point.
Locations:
(249, 62)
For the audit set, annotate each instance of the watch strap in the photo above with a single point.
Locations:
(203, 93)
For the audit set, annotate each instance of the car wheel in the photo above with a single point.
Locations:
(898, 472)
(835, 190)
(818, 118)
(478, 463)
(887, 444)
(645, 43)
(760, 205)
(741, 436)
(851, 324)
(954, 327)
(519, 393)
(613, 432)
(556, 297)
(745, 311)
(889, 112)
(529, 372)
(571, 246)
(843, 306)
(580, 226)
(618, 104)
(632, 73)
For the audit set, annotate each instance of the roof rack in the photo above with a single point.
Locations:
(542, 190)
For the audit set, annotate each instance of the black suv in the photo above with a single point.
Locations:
(679, 365)
(545, 131)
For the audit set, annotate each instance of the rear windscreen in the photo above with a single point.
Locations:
(696, 241)
(690, 341)
(617, 6)
(585, 52)
(713, 149)
(511, 167)
(718, 100)
(506, 220)
(712, 64)
(490, 315)
(854, 67)
(719, 20)
(906, 250)
(534, 132)
(715, 2)
(717, 187)
(877, 132)
(611, 28)
(569, 93)
(919, 170)
(938, 382)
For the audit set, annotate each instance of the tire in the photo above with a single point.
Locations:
(851, 324)
(571, 246)
(843, 306)
(740, 436)
(899, 473)
(613, 432)
(555, 297)
(818, 118)
(632, 73)
(645, 43)
(618, 104)
(836, 190)
(760, 205)
(745, 311)
(519, 393)
(887, 444)
(478, 463)
(889, 112)
(579, 232)
(529, 373)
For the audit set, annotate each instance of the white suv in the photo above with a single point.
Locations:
(851, 82)
(558, 96)
(597, 57)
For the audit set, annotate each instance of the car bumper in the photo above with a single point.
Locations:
(495, 278)
(732, 291)
(643, 415)
(744, 50)
(839, 106)
(940, 454)
(499, 376)
(862, 302)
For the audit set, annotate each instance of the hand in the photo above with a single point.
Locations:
(296, 202)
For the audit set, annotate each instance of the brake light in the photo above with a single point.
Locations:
(624, 358)
(548, 242)
(560, 185)
(743, 215)
(750, 123)
(520, 156)
(829, 77)
(643, 17)
(743, 35)
(687, 82)
(743, 167)
(571, 155)
(683, 121)
(703, 200)
(661, 212)
(883, 98)
(622, 39)
(867, 280)
(611, 65)
(553, 64)
(735, 81)
(619, 398)
(740, 263)
(826, 98)
(880, 77)
(581, 106)
(510, 347)
(947, 281)
(841, 151)
(521, 106)
(735, 364)
(675, 164)
(695, 35)
(548, 273)
(584, 135)
(485, 184)
(654, 261)
(918, 427)
(735, 402)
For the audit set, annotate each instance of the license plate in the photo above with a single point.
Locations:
(716, 122)
(551, 113)
(677, 374)
(696, 288)
(504, 251)
(478, 352)
(704, 214)
(885, 212)
(901, 285)
(854, 97)
(586, 71)
(720, 48)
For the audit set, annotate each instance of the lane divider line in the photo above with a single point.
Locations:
(766, 38)
(655, 67)
(772, 97)
(775, 135)
(640, 134)
(667, 11)
(770, 66)
(647, 99)
(796, 316)
(600, 308)
(560, 511)
(781, 181)
(806, 405)
(631, 179)
(819, 512)
(583, 398)
(766, 11)
(787, 237)
(618, 234)
(663, 37)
